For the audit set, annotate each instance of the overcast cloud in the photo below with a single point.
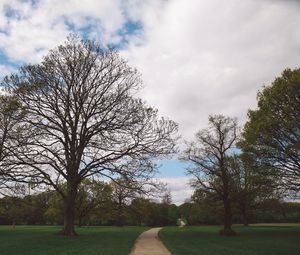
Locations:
(213, 56)
(196, 57)
(179, 188)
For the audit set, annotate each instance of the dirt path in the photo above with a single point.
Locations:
(149, 244)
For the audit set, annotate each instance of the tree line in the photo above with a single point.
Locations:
(100, 203)
(97, 203)
(75, 118)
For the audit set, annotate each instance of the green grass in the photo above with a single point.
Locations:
(253, 240)
(42, 240)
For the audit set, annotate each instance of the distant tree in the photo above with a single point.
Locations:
(291, 211)
(168, 211)
(184, 211)
(141, 211)
(167, 198)
(92, 196)
(55, 209)
(122, 195)
(206, 207)
(272, 132)
(13, 210)
(211, 155)
(34, 207)
(91, 199)
(173, 214)
(159, 214)
(253, 185)
(271, 210)
(82, 120)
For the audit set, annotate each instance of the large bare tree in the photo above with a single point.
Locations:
(83, 119)
(211, 158)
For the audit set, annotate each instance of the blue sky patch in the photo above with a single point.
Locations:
(172, 168)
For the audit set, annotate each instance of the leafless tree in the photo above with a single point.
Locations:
(211, 155)
(10, 115)
(83, 120)
(167, 198)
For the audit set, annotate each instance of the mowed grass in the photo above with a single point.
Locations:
(43, 240)
(253, 240)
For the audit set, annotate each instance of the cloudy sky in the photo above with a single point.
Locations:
(197, 57)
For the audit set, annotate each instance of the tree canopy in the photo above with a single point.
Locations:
(83, 119)
(272, 132)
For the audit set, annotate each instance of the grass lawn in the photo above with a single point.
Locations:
(42, 240)
(259, 239)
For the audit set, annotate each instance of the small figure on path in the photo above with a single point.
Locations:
(181, 222)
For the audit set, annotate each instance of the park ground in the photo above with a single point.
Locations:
(275, 239)
(258, 239)
(43, 240)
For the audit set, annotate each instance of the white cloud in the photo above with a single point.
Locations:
(179, 188)
(213, 56)
(29, 31)
(196, 59)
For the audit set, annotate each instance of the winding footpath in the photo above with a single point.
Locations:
(148, 243)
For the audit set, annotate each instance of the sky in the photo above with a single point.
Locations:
(196, 57)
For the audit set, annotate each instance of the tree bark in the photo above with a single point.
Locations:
(227, 231)
(69, 210)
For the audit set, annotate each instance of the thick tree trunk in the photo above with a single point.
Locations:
(69, 211)
(227, 231)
